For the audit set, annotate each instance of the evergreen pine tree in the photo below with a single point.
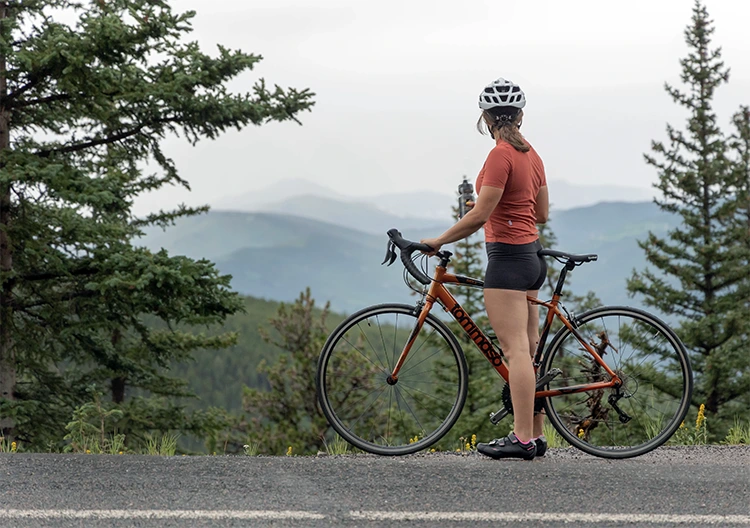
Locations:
(700, 266)
(83, 107)
(739, 347)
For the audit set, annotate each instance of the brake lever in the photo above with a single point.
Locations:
(390, 255)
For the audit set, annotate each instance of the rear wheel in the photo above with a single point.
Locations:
(657, 383)
(383, 417)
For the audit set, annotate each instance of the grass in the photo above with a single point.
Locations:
(652, 426)
(554, 440)
(739, 433)
(164, 446)
(252, 449)
(338, 446)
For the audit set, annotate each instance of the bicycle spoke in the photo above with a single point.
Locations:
(354, 404)
(395, 333)
(426, 394)
(368, 407)
(373, 348)
(382, 340)
(412, 412)
(388, 427)
(379, 367)
(413, 353)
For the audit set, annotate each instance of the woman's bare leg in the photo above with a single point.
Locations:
(508, 313)
(533, 332)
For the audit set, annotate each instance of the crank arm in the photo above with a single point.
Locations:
(495, 417)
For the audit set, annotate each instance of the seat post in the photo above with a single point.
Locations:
(569, 265)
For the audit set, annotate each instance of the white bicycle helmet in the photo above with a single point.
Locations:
(502, 93)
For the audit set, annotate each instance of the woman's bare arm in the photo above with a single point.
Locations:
(542, 205)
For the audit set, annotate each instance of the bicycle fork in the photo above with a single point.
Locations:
(420, 308)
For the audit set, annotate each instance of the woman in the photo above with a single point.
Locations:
(512, 199)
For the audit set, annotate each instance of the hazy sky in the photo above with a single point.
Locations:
(397, 84)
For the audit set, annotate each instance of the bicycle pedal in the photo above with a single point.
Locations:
(495, 417)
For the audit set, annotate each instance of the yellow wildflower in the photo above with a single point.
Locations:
(289, 451)
(701, 417)
(432, 450)
(13, 447)
(473, 441)
(581, 433)
(88, 451)
(468, 446)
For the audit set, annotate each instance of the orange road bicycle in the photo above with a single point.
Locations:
(392, 379)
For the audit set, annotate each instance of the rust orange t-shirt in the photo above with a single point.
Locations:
(520, 175)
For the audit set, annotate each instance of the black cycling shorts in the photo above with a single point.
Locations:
(515, 267)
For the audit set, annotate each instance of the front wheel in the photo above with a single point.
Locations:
(360, 399)
(657, 379)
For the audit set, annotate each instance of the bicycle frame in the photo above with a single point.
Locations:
(438, 292)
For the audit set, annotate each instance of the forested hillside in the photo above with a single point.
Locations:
(217, 376)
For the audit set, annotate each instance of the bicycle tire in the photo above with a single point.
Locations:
(416, 411)
(658, 383)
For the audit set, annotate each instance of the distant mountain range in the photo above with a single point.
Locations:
(288, 196)
(275, 256)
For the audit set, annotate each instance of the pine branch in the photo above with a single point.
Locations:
(70, 296)
(48, 275)
(103, 141)
(34, 80)
(41, 101)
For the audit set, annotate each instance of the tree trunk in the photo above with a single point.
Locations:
(7, 354)
(117, 384)
(118, 390)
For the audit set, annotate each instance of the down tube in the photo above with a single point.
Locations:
(472, 330)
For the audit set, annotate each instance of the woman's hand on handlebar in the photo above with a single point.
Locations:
(434, 243)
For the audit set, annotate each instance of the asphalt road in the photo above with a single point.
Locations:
(687, 486)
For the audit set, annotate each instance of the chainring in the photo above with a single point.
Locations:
(508, 402)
